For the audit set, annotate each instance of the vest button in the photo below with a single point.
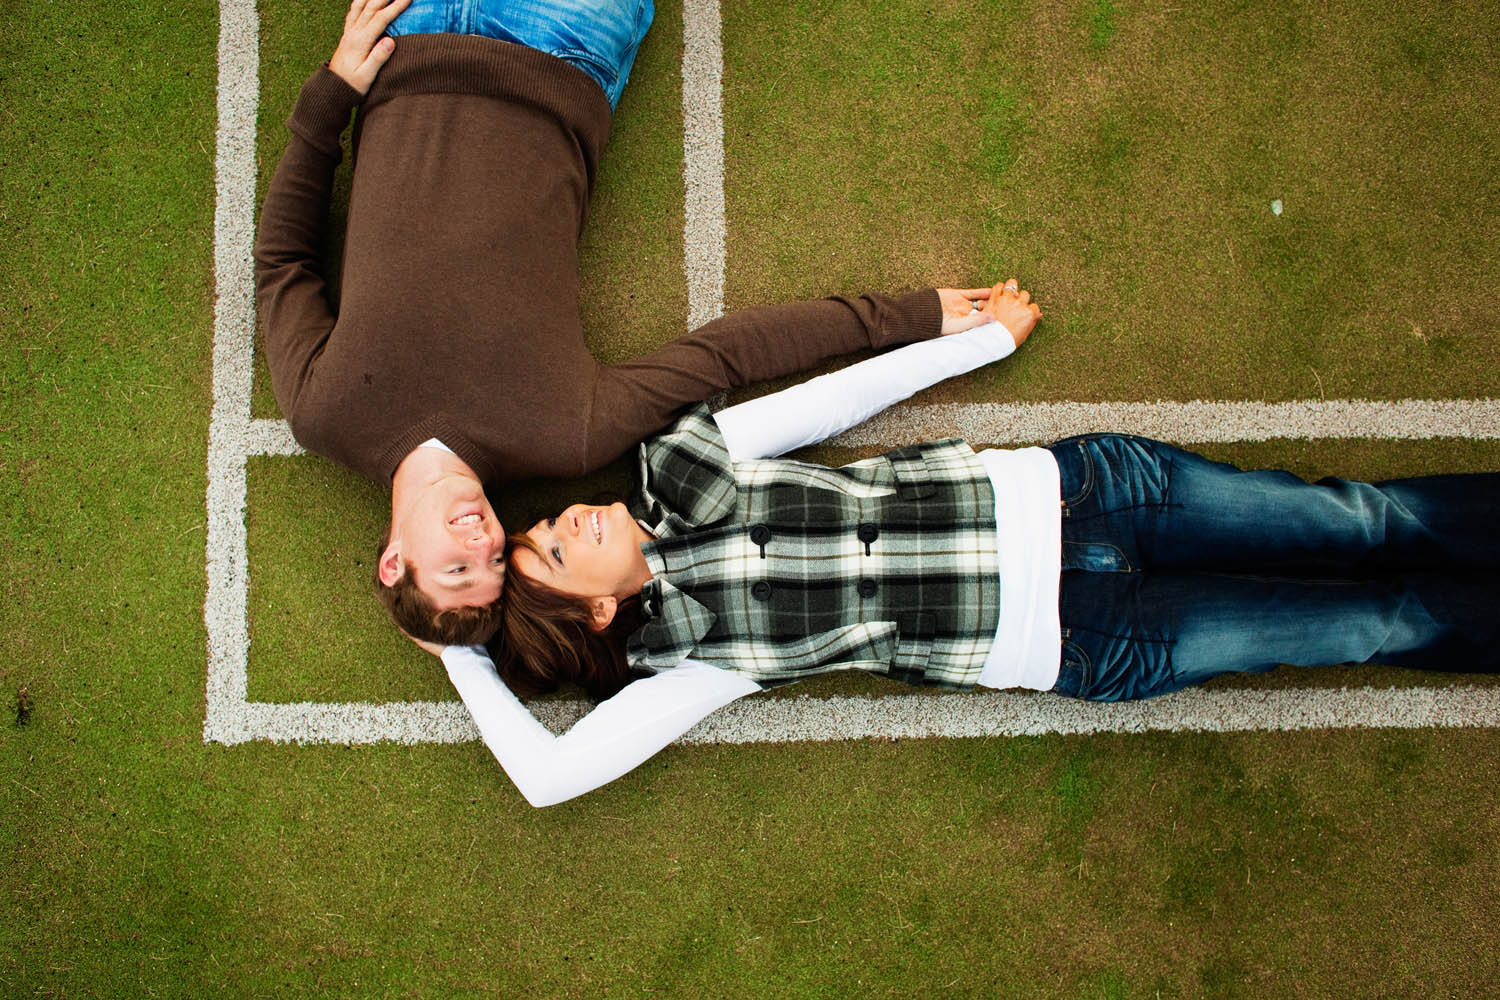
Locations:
(867, 587)
(761, 590)
(867, 533)
(760, 534)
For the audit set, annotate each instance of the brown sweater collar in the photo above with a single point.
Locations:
(440, 427)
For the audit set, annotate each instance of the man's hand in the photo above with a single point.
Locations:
(961, 308)
(362, 50)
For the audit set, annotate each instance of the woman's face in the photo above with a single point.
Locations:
(587, 552)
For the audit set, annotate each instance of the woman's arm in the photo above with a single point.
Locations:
(830, 404)
(616, 736)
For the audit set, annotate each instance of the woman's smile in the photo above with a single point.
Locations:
(587, 551)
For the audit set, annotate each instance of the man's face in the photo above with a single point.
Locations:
(452, 537)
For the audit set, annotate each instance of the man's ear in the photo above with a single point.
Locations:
(603, 610)
(390, 566)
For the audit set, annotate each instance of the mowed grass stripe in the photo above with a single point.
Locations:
(1125, 168)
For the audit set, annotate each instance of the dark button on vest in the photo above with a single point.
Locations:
(761, 590)
(760, 534)
(867, 587)
(867, 533)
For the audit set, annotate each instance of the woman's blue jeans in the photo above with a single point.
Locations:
(599, 37)
(1177, 569)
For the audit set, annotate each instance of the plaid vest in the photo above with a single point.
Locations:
(778, 569)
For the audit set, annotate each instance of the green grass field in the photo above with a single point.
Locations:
(1120, 158)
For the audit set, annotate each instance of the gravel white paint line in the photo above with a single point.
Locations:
(703, 161)
(225, 612)
(234, 437)
(1195, 422)
(979, 714)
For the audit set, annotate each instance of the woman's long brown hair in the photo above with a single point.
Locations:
(547, 637)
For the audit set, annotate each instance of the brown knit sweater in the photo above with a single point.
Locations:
(458, 315)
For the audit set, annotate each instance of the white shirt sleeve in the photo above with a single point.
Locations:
(830, 404)
(617, 735)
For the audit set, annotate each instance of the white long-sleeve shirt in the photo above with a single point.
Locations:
(646, 715)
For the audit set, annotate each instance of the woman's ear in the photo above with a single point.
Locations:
(390, 566)
(603, 610)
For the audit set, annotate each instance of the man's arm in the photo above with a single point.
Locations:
(290, 288)
(637, 398)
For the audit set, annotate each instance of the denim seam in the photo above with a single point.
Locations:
(1086, 485)
(604, 68)
(1085, 663)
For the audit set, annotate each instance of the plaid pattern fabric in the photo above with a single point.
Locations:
(779, 569)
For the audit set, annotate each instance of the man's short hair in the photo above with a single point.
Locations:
(414, 613)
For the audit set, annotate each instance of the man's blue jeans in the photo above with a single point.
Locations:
(599, 37)
(1177, 569)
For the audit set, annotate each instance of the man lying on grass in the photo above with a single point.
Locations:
(454, 359)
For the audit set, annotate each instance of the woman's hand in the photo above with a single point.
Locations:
(362, 50)
(1011, 304)
(966, 308)
(436, 649)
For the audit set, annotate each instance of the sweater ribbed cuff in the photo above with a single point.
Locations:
(913, 317)
(322, 110)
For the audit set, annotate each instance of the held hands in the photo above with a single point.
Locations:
(1007, 302)
(362, 50)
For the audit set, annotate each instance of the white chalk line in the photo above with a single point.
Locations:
(225, 608)
(703, 161)
(234, 436)
(952, 716)
(1196, 422)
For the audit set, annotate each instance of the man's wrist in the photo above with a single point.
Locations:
(322, 110)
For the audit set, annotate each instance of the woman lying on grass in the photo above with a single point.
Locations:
(1103, 567)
